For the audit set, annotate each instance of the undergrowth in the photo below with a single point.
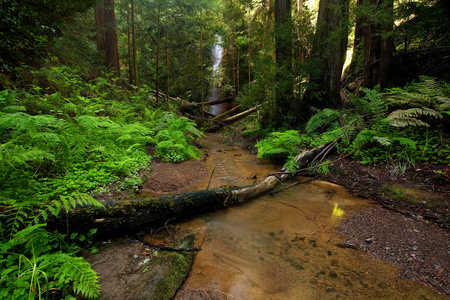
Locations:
(401, 126)
(62, 141)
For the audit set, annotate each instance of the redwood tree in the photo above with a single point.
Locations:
(328, 53)
(284, 82)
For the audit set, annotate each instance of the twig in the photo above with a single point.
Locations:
(310, 168)
(162, 247)
(210, 177)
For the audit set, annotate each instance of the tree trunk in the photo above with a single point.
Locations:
(126, 216)
(387, 43)
(130, 57)
(136, 77)
(100, 30)
(158, 55)
(201, 71)
(284, 82)
(111, 42)
(329, 51)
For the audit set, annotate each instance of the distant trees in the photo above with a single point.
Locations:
(29, 26)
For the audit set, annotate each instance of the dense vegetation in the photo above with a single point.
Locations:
(89, 98)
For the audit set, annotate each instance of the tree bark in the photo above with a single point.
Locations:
(100, 30)
(284, 81)
(329, 50)
(126, 216)
(111, 42)
(136, 77)
(158, 55)
(130, 58)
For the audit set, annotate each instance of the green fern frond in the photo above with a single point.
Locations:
(363, 138)
(407, 117)
(321, 119)
(406, 142)
(426, 93)
(77, 271)
(383, 140)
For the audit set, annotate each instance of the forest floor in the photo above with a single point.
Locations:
(410, 227)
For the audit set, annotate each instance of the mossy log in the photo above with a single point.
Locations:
(120, 217)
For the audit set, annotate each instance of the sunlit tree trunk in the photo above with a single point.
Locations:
(329, 52)
(111, 42)
(249, 50)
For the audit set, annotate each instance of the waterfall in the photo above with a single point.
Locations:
(216, 90)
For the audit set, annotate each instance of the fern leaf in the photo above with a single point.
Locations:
(321, 119)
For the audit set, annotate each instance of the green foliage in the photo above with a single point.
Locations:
(279, 145)
(33, 261)
(371, 104)
(377, 136)
(60, 143)
(173, 141)
(426, 98)
(325, 119)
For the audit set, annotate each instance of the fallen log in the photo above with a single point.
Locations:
(121, 217)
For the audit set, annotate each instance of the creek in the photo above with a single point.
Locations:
(283, 246)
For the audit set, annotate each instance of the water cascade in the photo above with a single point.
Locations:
(216, 89)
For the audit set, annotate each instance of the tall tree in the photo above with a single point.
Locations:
(133, 20)
(111, 42)
(284, 82)
(374, 44)
(328, 53)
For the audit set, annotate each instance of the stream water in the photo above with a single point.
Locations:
(283, 246)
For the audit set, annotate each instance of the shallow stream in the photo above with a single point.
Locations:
(283, 246)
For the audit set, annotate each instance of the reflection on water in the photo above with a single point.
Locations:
(285, 247)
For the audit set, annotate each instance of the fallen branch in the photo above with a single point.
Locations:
(163, 247)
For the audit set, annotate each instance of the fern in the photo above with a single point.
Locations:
(371, 104)
(427, 93)
(408, 117)
(279, 145)
(38, 267)
(174, 142)
(324, 118)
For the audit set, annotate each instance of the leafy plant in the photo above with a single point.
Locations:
(33, 263)
(278, 146)
(174, 141)
(325, 119)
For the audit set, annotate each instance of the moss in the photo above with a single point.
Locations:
(405, 194)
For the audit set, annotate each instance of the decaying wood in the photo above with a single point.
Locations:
(120, 217)
(228, 112)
